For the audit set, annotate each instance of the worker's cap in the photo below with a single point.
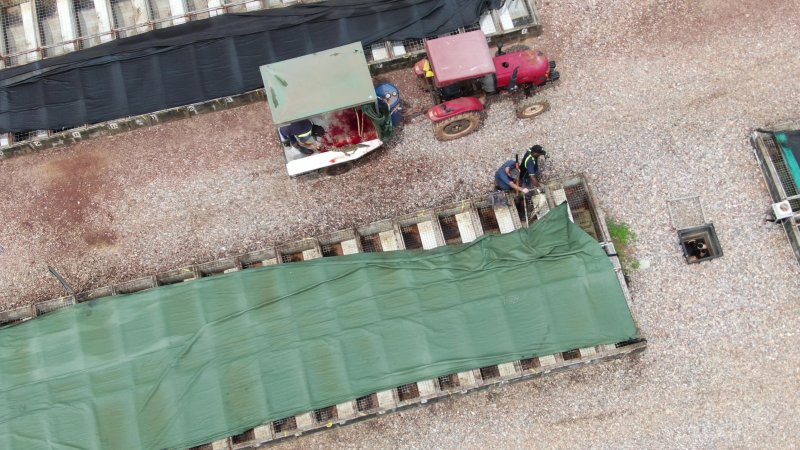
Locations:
(538, 149)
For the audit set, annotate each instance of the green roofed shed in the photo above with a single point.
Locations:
(325, 81)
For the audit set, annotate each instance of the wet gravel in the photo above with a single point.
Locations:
(656, 102)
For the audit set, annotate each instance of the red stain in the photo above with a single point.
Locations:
(342, 129)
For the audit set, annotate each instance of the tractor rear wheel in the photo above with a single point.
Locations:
(457, 126)
(517, 48)
(532, 107)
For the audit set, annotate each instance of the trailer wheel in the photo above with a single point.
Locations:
(338, 169)
(532, 107)
(457, 126)
(517, 48)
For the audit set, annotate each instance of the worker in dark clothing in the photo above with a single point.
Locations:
(507, 178)
(300, 135)
(530, 167)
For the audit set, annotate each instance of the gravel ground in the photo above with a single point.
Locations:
(657, 100)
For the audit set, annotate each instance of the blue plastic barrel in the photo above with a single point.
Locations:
(390, 96)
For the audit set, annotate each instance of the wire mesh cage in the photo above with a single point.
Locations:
(782, 169)
(130, 17)
(338, 243)
(246, 436)
(529, 363)
(208, 446)
(87, 21)
(447, 381)
(203, 9)
(371, 243)
(53, 305)
(516, 14)
(324, 415)
(378, 237)
(407, 392)
(488, 219)
(161, 14)
(490, 372)
(686, 212)
(17, 315)
(19, 37)
(576, 193)
(285, 424)
(367, 402)
(450, 231)
(298, 251)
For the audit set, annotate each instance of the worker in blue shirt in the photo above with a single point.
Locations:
(507, 178)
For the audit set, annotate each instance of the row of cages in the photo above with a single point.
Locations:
(423, 392)
(37, 29)
(781, 183)
(516, 16)
(451, 224)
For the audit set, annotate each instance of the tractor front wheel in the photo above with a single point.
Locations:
(532, 107)
(457, 126)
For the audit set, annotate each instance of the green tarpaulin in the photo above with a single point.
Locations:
(190, 363)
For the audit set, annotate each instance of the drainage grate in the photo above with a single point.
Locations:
(452, 235)
(488, 220)
(371, 243)
(447, 381)
(411, 236)
(686, 212)
(247, 436)
(407, 392)
(332, 249)
(323, 415)
(287, 424)
(530, 363)
(489, 372)
(571, 354)
(367, 402)
(292, 257)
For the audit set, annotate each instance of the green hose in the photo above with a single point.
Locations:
(381, 118)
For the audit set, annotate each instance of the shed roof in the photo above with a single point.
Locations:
(325, 81)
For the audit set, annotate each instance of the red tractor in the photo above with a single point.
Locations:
(460, 71)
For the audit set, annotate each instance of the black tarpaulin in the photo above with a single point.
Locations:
(207, 59)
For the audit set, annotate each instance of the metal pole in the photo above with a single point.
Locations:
(61, 280)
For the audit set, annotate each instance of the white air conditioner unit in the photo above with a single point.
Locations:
(782, 210)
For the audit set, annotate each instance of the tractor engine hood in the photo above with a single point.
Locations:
(532, 67)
